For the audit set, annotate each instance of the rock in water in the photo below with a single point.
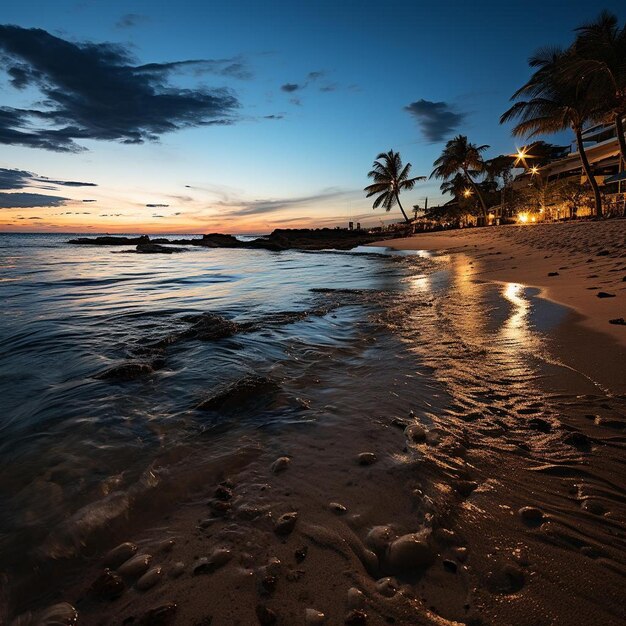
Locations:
(120, 554)
(409, 553)
(126, 371)
(280, 464)
(136, 566)
(150, 578)
(286, 523)
(244, 391)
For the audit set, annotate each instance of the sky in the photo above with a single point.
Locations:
(245, 116)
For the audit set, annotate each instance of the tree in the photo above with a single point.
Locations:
(555, 102)
(600, 67)
(390, 178)
(499, 170)
(461, 157)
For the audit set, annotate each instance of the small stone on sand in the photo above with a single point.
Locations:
(387, 587)
(159, 616)
(531, 515)
(150, 578)
(415, 433)
(312, 617)
(108, 585)
(338, 509)
(356, 617)
(177, 569)
(136, 566)
(286, 523)
(604, 294)
(356, 599)
(280, 464)
(366, 458)
(409, 553)
(120, 554)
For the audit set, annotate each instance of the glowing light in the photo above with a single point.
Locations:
(533, 219)
(522, 218)
(467, 193)
(534, 170)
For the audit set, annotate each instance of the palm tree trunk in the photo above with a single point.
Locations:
(592, 181)
(480, 197)
(408, 221)
(619, 127)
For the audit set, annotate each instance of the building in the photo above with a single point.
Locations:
(602, 150)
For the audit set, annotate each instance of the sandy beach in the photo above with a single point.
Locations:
(581, 265)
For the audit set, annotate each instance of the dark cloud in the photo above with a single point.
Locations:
(90, 201)
(156, 206)
(96, 91)
(273, 117)
(21, 200)
(291, 87)
(436, 120)
(329, 88)
(64, 183)
(234, 68)
(19, 179)
(158, 216)
(131, 19)
(316, 75)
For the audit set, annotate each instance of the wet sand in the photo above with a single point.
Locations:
(581, 265)
(445, 465)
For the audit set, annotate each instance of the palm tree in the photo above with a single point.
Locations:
(600, 67)
(460, 156)
(390, 178)
(555, 103)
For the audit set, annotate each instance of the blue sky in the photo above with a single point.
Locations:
(321, 87)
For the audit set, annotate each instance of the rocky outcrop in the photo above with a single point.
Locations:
(280, 239)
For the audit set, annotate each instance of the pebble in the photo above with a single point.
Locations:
(218, 559)
(312, 617)
(266, 616)
(286, 523)
(120, 554)
(461, 554)
(450, 566)
(300, 554)
(553, 273)
(356, 599)
(136, 566)
(62, 614)
(593, 506)
(466, 487)
(150, 578)
(159, 616)
(280, 464)
(223, 493)
(219, 507)
(604, 294)
(378, 538)
(177, 569)
(531, 515)
(618, 321)
(387, 587)
(507, 578)
(356, 617)
(337, 508)
(166, 545)
(409, 553)
(578, 440)
(366, 458)
(415, 433)
(108, 585)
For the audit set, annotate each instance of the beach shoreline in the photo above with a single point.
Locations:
(570, 264)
